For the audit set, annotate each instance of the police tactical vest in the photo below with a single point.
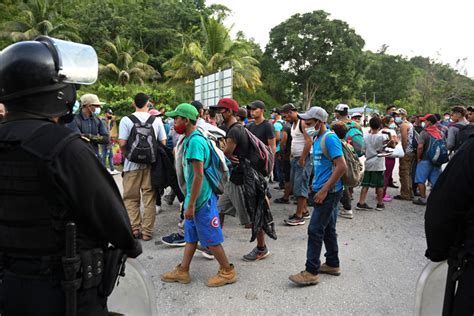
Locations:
(32, 216)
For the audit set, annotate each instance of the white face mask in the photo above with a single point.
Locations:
(311, 131)
(97, 111)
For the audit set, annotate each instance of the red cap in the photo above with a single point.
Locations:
(228, 103)
(425, 117)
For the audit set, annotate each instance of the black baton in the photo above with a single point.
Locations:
(71, 264)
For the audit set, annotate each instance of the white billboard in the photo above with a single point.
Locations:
(209, 89)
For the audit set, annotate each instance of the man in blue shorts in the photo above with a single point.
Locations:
(201, 216)
(329, 166)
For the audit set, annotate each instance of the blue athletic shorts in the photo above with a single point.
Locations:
(205, 227)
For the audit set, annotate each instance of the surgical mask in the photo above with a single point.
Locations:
(311, 131)
(446, 118)
(180, 129)
(273, 116)
(393, 126)
(97, 111)
(398, 120)
(423, 124)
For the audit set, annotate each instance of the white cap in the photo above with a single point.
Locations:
(341, 107)
(356, 114)
(90, 98)
(316, 113)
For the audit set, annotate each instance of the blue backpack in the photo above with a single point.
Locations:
(217, 172)
(438, 151)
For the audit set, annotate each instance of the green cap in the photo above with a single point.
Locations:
(185, 110)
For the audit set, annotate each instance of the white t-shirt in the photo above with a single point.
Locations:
(125, 128)
(373, 145)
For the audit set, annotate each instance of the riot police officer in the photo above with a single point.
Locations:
(49, 176)
(449, 227)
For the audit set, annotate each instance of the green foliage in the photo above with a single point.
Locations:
(319, 55)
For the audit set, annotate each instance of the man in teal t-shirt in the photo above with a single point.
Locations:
(328, 169)
(201, 216)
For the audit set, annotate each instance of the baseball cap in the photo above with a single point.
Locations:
(91, 99)
(341, 107)
(257, 104)
(316, 113)
(198, 105)
(356, 114)
(401, 111)
(470, 108)
(227, 103)
(288, 107)
(424, 118)
(242, 113)
(185, 110)
(109, 111)
(154, 112)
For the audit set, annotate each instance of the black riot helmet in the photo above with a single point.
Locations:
(40, 77)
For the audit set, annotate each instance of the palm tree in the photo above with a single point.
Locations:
(219, 52)
(38, 17)
(121, 61)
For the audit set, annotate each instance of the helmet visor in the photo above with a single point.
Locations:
(78, 62)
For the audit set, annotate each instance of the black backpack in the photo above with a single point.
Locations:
(465, 131)
(141, 144)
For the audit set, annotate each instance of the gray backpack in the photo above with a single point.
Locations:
(141, 145)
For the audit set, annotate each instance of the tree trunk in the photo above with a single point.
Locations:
(308, 94)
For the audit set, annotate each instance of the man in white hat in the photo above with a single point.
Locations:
(88, 125)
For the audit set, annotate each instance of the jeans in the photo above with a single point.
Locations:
(277, 172)
(107, 152)
(322, 228)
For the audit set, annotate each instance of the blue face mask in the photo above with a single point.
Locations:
(398, 120)
(273, 116)
(311, 131)
(97, 111)
(423, 124)
(76, 106)
(393, 126)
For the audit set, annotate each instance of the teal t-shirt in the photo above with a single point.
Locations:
(196, 148)
(278, 126)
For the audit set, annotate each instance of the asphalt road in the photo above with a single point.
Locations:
(382, 255)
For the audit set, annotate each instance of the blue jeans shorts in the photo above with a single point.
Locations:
(300, 176)
(205, 227)
(425, 170)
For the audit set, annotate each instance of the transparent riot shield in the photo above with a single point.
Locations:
(135, 294)
(430, 289)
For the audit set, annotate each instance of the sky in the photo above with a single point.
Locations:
(439, 29)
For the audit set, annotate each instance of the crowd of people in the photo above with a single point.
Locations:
(309, 165)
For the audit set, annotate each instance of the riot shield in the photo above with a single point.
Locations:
(430, 289)
(135, 294)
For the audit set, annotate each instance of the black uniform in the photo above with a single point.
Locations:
(449, 222)
(49, 176)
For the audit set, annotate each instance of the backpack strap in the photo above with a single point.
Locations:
(134, 119)
(150, 120)
(207, 142)
(323, 146)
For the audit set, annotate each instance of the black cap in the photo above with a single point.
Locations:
(470, 108)
(257, 105)
(288, 107)
(198, 105)
(109, 111)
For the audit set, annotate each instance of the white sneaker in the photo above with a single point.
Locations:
(346, 213)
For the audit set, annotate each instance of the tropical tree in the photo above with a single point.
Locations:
(321, 56)
(38, 17)
(121, 61)
(218, 52)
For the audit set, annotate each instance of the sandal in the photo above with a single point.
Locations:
(146, 237)
(282, 201)
(137, 234)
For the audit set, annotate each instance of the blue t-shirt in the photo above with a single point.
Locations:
(278, 126)
(196, 148)
(323, 166)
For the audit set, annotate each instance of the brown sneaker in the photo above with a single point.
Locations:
(177, 275)
(305, 278)
(223, 277)
(330, 270)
